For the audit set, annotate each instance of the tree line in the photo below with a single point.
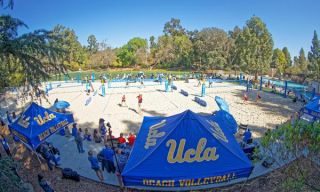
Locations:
(249, 49)
(35, 56)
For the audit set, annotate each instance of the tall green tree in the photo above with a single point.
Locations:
(302, 62)
(174, 28)
(173, 51)
(234, 59)
(279, 61)
(211, 48)
(314, 57)
(287, 56)
(93, 45)
(76, 56)
(254, 47)
(133, 53)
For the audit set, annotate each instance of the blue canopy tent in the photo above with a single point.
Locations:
(222, 104)
(185, 150)
(36, 124)
(311, 111)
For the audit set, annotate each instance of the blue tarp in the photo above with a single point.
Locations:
(222, 104)
(184, 150)
(313, 108)
(61, 105)
(36, 124)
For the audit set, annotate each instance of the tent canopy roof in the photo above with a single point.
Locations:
(185, 146)
(37, 123)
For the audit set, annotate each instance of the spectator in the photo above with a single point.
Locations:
(107, 161)
(5, 145)
(44, 184)
(14, 116)
(87, 135)
(122, 160)
(102, 127)
(131, 139)
(96, 136)
(74, 130)
(95, 165)
(121, 139)
(67, 131)
(79, 141)
(48, 155)
(247, 136)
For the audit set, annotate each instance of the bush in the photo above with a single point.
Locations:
(9, 179)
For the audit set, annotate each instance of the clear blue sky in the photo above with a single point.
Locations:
(291, 22)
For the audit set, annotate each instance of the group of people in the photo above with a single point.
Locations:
(49, 153)
(112, 159)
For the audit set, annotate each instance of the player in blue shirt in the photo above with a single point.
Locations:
(95, 165)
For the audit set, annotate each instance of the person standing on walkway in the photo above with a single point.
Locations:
(122, 160)
(45, 185)
(95, 165)
(79, 141)
(107, 161)
(74, 130)
(5, 145)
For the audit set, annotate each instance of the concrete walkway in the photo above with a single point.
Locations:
(70, 158)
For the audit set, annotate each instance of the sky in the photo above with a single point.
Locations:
(291, 22)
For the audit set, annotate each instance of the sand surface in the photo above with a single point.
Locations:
(260, 116)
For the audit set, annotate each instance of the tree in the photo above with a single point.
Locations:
(302, 62)
(92, 44)
(173, 51)
(152, 42)
(279, 61)
(254, 47)
(133, 53)
(211, 48)
(31, 57)
(9, 179)
(76, 54)
(173, 28)
(165, 52)
(105, 57)
(314, 57)
(287, 56)
(234, 60)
